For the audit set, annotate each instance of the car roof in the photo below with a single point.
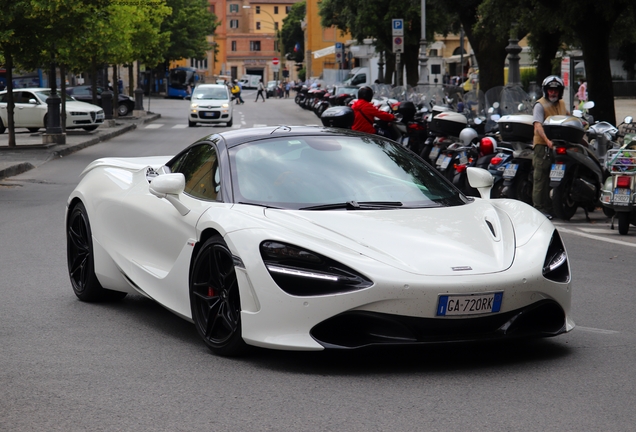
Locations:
(236, 137)
(211, 86)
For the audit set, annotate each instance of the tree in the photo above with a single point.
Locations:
(292, 33)
(188, 26)
(364, 19)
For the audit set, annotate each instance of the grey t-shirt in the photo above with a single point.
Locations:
(538, 114)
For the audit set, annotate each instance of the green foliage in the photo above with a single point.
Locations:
(528, 75)
(292, 32)
(302, 74)
(188, 26)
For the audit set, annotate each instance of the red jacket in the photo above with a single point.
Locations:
(364, 113)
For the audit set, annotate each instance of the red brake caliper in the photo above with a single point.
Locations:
(210, 292)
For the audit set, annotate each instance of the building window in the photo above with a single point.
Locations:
(233, 23)
(233, 45)
(258, 9)
(234, 72)
(276, 46)
(287, 9)
(255, 45)
(211, 9)
(276, 25)
(234, 8)
(258, 25)
(276, 9)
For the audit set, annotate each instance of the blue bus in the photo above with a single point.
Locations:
(23, 79)
(179, 79)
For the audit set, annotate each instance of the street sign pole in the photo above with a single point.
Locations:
(397, 31)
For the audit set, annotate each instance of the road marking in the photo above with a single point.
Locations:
(259, 125)
(154, 126)
(596, 330)
(596, 230)
(595, 237)
(180, 126)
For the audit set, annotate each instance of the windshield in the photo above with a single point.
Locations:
(44, 95)
(312, 171)
(218, 93)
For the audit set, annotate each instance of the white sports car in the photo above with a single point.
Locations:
(304, 238)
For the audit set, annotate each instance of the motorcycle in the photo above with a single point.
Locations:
(576, 176)
(514, 123)
(617, 194)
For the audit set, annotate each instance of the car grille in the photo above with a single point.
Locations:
(93, 116)
(357, 329)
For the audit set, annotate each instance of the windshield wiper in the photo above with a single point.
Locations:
(260, 205)
(355, 205)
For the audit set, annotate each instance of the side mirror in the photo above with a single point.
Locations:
(577, 113)
(628, 120)
(481, 180)
(588, 105)
(169, 186)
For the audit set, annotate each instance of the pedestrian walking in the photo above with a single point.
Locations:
(287, 88)
(236, 92)
(260, 91)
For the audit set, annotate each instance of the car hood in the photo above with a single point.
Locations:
(81, 106)
(475, 238)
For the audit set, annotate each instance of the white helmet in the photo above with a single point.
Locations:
(467, 135)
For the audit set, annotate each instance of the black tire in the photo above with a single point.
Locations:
(230, 123)
(33, 129)
(79, 255)
(497, 190)
(562, 205)
(2, 127)
(123, 109)
(191, 123)
(523, 189)
(90, 128)
(215, 300)
(623, 222)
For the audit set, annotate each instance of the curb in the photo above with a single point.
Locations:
(65, 150)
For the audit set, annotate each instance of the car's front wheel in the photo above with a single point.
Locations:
(33, 129)
(89, 128)
(80, 258)
(2, 127)
(215, 300)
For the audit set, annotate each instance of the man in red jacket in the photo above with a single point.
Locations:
(364, 112)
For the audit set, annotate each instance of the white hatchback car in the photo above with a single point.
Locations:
(210, 103)
(31, 111)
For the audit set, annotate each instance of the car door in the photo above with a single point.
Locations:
(30, 111)
(160, 238)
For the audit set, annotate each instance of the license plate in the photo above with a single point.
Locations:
(469, 304)
(445, 162)
(621, 196)
(434, 153)
(463, 159)
(405, 141)
(510, 171)
(211, 114)
(557, 172)
(439, 160)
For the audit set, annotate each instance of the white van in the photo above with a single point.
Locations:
(358, 76)
(250, 81)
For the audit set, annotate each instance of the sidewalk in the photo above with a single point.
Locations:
(30, 152)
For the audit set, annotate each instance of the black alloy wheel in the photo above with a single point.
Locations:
(80, 259)
(215, 300)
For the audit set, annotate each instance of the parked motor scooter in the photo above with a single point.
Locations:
(576, 176)
(617, 194)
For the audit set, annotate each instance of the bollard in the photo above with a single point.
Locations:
(139, 99)
(107, 104)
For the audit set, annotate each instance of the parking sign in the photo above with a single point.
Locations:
(398, 27)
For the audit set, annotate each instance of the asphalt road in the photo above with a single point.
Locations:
(133, 366)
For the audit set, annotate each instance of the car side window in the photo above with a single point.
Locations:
(200, 166)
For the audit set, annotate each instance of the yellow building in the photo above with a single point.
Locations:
(318, 38)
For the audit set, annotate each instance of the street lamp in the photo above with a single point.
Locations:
(423, 66)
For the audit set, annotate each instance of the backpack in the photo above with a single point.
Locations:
(236, 89)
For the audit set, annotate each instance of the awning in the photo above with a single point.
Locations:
(457, 59)
(325, 51)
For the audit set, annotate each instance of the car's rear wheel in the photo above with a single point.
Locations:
(80, 258)
(215, 300)
(123, 109)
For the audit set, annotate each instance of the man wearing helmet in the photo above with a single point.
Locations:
(364, 112)
(549, 105)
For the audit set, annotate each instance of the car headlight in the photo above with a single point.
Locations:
(555, 266)
(225, 105)
(194, 106)
(301, 272)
